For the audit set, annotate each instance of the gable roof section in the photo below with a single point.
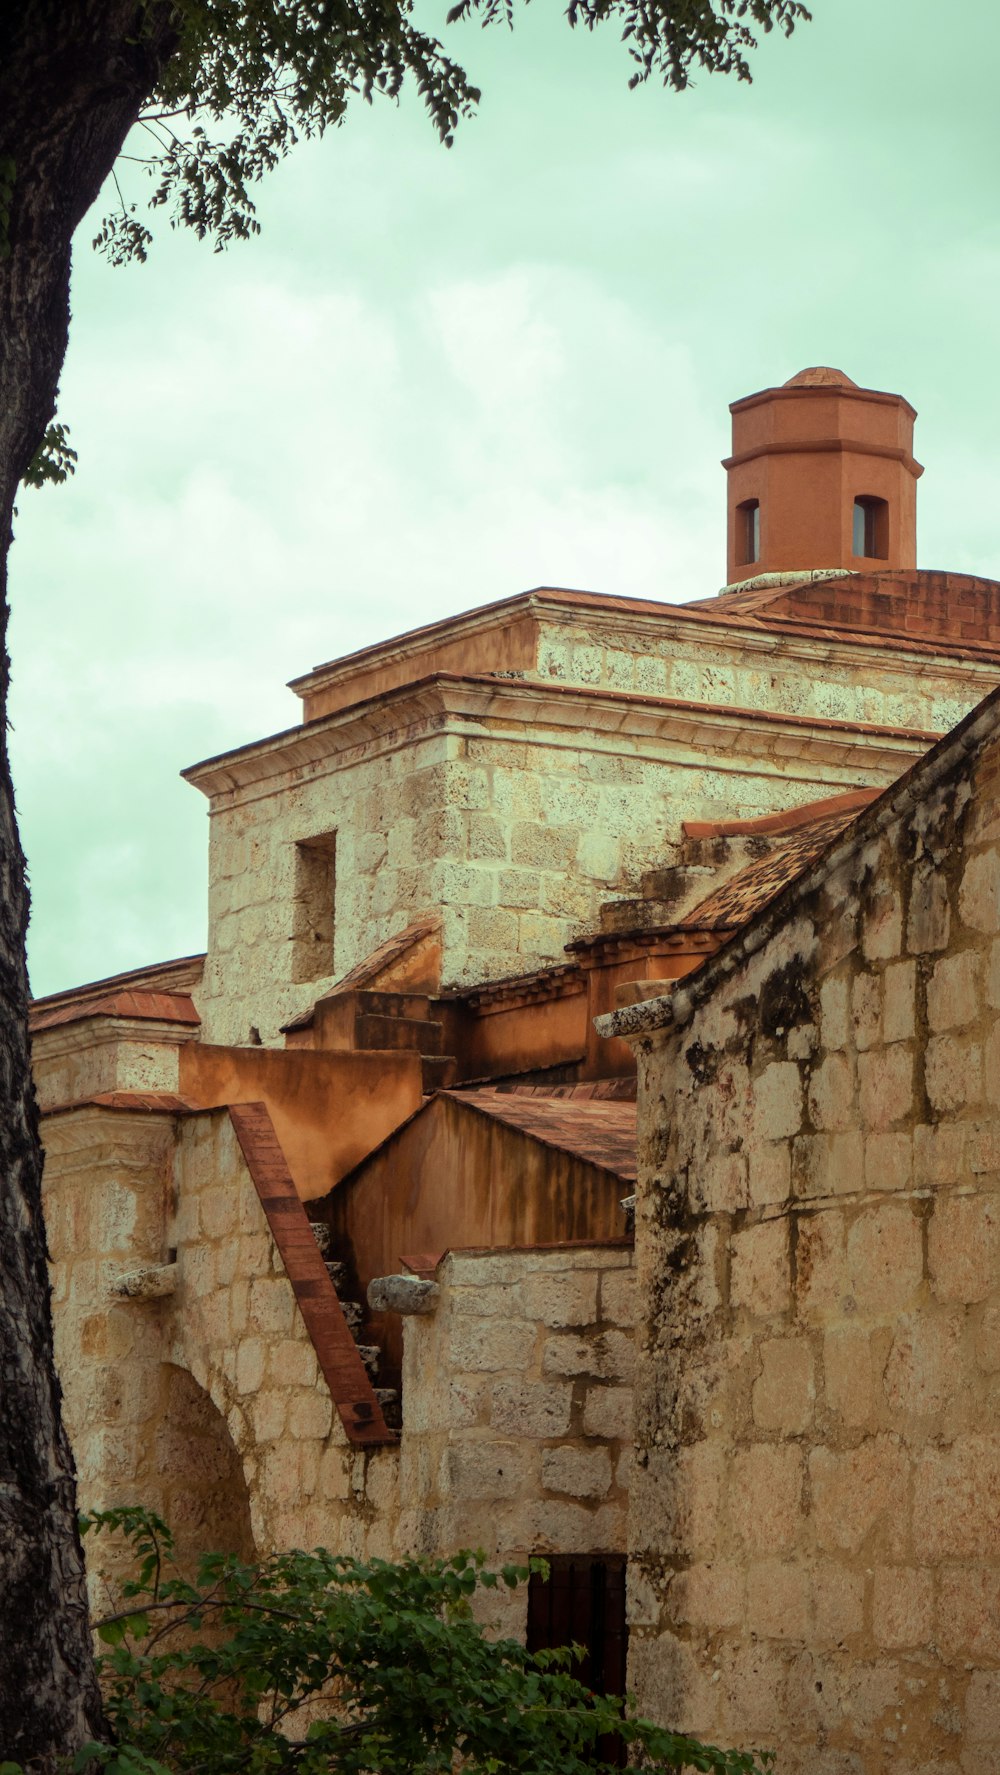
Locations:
(600, 1131)
(674, 1009)
(730, 905)
(169, 978)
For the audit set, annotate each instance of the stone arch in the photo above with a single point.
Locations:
(192, 1473)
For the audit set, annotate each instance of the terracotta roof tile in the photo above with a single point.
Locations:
(139, 1102)
(730, 905)
(165, 976)
(600, 1132)
(158, 1007)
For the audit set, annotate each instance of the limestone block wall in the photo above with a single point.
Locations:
(815, 1516)
(678, 658)
(512, 810)
(517, 1401)
(222, 1359)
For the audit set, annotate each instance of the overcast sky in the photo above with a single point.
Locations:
(442, 377)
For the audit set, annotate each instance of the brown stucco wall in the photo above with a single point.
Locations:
(815, 1523)
(328, 1110)
(455, 1177)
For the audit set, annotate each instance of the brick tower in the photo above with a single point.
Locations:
(822, 475)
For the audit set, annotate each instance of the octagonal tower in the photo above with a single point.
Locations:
(822, 475)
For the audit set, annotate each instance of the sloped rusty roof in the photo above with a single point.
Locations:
(730, 905)
(600, 1131)
(158, 1007)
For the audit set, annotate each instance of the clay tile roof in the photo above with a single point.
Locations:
(730, 905)
(820, 376)
(600, 1132)
(158, 1007)
(141, 1102)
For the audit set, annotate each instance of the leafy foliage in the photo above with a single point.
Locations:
(250, 78)
(313, 1663)
(54, 460)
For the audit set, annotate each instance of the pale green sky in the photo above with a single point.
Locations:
(439, 378)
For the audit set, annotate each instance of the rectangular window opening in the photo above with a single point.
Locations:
(314, 905)
(871, 528)
(748, 531)
(582, 1602)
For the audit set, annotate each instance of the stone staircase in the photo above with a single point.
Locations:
(356, 1315)
(668, 894)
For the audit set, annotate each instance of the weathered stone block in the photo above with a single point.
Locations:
(785, 1391)
(610, 1355)
(607, 1411)
(831, 1094)
(938, 1153)
(490, 1344)
(882, 931)
(709, 1596)
(310, 1413)
(765, 1497)
(580, 1472)
(778, 1600)
(926, 1362)
(885, 1257)
(569, 1300)
(250, 1361)
(531, 1408)
(487, 1470)
(272, 1305)
(770, 1173)
(860, 1494)
(899, 1001)
(760, 1275)
(979, 892)
(956, 1498)
(953, 1072)
(963, 1246)
(929, 922)
(885, 1078)
(292, 1364)
(834, 1013)
(889, 1161)
(866, 1010)
(777, 1095)
(840, 1601)
(618, 1297)
(968, 1617)
(849, 1372)
(953, 991)
(982, 1707)
(822, 1282)
(902, 1606)
(267, 1414)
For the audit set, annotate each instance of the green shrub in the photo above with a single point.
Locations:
(313, 1664)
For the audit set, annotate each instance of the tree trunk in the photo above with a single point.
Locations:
(73, 76)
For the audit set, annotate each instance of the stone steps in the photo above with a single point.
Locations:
(355, 1314)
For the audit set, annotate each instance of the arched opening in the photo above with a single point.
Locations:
(748, 532)
(197, 1474)
(871, 527)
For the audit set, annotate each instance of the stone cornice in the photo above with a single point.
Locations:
(91, 1030)
(798, 639)
(444, 702)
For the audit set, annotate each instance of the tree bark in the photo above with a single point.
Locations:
(73, 77)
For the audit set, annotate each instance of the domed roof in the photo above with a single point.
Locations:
(820, 376)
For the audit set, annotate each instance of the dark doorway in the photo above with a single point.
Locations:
(582, 1602)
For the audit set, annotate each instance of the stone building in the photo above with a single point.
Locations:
(334, 1209)
(815, 1534)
